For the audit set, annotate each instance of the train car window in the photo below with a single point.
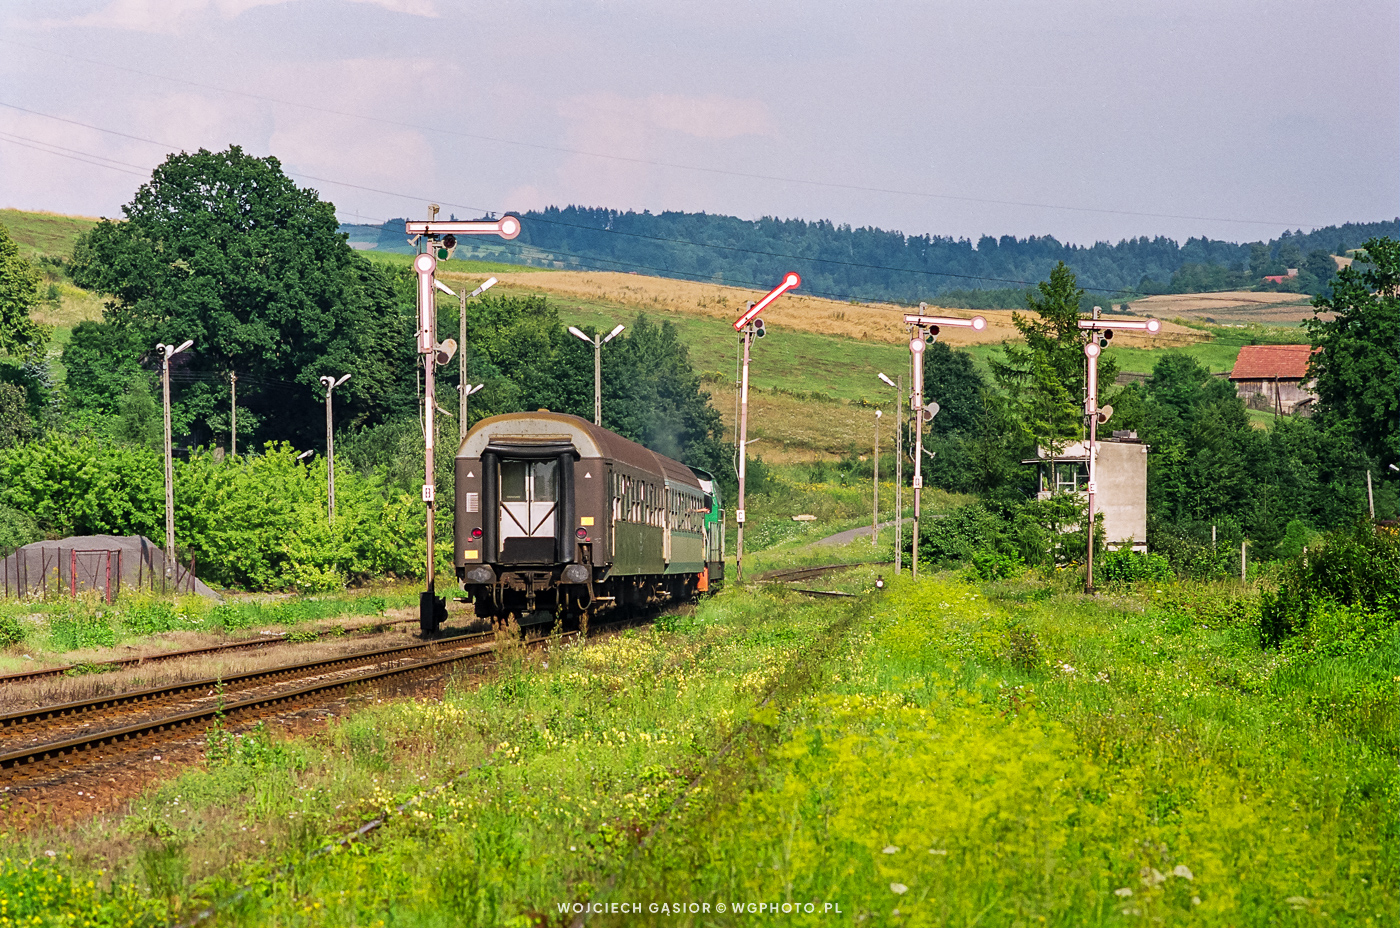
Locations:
(513, 474)
(545, 475)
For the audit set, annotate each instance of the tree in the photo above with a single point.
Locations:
(224, 249)
(19, 293)
(1044, 380)
(1357, 371)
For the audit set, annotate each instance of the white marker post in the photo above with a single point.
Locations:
(439, 238)
(925, 327)
(1091, 410)
(744, 326)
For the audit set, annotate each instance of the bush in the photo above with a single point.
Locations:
(993, 565)
(256, 522)
(11, 630)
(1128, 566)
(1357, 566)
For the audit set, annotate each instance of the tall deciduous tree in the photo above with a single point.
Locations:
(222, 248)
(1358, 371)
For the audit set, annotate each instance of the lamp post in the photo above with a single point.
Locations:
(166, 353)
(875, 512)
(748, 325)
(435, 240)
(925, 331)
(463, 390)
(1100, 333)
(898, 471)
(597, 342)
(330, 383)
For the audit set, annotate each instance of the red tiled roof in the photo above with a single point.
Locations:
(1266, 362)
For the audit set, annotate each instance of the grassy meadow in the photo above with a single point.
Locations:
(942, 753)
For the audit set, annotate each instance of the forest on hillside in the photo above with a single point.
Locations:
(866, 263)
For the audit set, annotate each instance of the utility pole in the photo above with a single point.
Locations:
(233, 413)
(749, 325)
(435, 240)
(875, 516)
(464, 389)
(166, 353)
(597, 342)
(925, 331)
(1100, 333)
(330, 383)
(898, 468)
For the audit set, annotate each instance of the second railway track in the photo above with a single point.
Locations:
(45, 756)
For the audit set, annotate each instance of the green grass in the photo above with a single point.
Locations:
(44, 233)
(1011, 755)
(47, 629)
(453, 266)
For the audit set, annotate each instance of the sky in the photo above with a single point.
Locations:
(1087, 120)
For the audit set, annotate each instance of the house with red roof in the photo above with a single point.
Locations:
(1275, 377)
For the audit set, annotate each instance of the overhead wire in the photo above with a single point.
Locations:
(749, 175)
(78, 155)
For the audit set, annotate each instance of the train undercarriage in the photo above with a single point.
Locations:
(542, 596)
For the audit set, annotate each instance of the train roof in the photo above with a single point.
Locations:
(589, 440)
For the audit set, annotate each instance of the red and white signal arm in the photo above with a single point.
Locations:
(790, 280)
(506, 227)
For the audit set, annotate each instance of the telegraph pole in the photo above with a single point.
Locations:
(435, 240)
(925, 331)
(233, 413)
(166, 353)
(330, 383)
(875, 515)
(749, 325)
(898, 474)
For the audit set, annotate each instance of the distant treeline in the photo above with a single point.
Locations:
(873, 264)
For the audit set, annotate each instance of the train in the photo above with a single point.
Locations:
(558, 518)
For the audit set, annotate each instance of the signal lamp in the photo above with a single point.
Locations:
(582, 533)
(476, 533)
(758, 328)
(932, 331)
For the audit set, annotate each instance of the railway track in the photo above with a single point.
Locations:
(793, 574)
(34, 723)
(26, 676)
(94, 745)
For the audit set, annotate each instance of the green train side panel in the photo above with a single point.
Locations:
(687, 553)
(638, 549)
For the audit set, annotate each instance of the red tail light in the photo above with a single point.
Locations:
(582, 534)
(476, 533)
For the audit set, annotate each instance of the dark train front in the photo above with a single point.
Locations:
(557, 517)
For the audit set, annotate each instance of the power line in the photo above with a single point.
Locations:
(536, 218)
(748, 175)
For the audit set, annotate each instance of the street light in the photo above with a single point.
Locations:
(597, 344)
(463, 391)
(898, 470)
(166, 353)
(330, 383)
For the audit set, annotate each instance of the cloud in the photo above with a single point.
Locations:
(167, 16)
(709, 117)
(425, 8)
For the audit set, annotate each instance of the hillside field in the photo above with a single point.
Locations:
(813, 376)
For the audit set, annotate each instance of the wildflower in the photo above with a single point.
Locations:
(891, 849)
(898, 889)
(1123, 892)
(1183, 871)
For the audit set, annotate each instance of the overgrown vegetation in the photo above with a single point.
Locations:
(941, 751)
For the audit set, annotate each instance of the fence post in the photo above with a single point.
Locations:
(1243, 542)
(72, 572)
(119, 574)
